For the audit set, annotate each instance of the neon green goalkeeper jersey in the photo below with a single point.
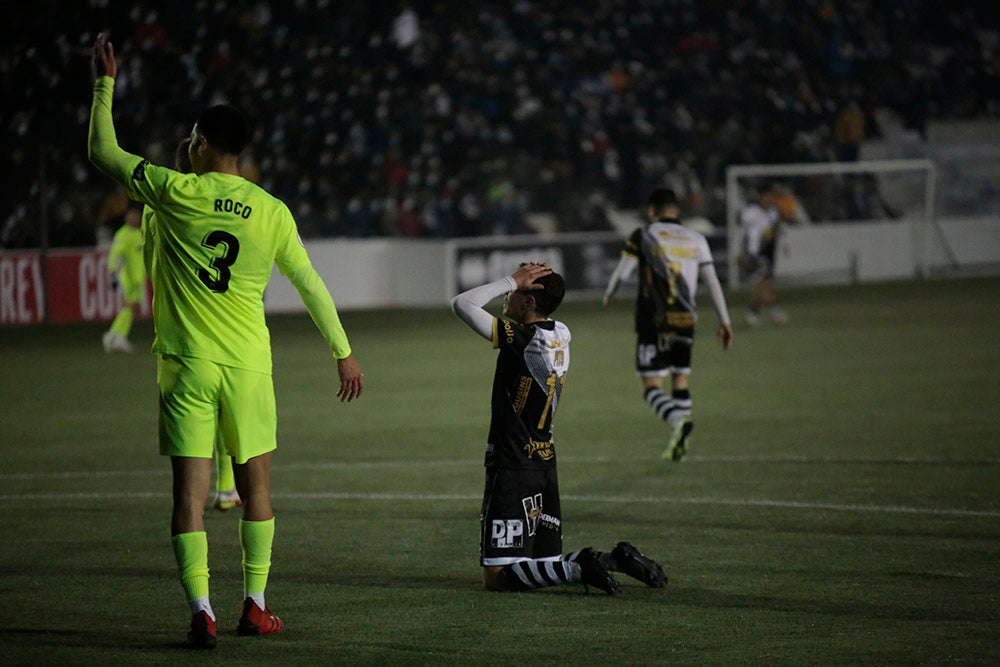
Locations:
(125, 255)
(217, 237)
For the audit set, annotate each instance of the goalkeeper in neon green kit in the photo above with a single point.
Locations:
(126, 266)
(218, 235)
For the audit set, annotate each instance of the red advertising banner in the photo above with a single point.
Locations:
(22, 295)
(79, 288)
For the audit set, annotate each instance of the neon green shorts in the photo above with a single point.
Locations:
(199, 398)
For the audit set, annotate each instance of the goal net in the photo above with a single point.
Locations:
(843, 221)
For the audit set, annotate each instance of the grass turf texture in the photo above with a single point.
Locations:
(838, 505)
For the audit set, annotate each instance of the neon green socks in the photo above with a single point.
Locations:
(123, 323)
(256, 538)
(191, 552)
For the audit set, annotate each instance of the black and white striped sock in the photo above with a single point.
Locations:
(534, 574)
(669, 408)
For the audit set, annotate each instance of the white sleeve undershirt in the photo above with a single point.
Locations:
(469, 305)
(715, 288)
(626, 267)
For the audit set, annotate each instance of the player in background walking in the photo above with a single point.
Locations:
(760, 223)
(218, 237)
(669, 258)
(521, 520)
(125, 266)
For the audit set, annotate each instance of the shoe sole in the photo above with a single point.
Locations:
(632, 563)
(251, 630)
(603, 582)
(254, 631)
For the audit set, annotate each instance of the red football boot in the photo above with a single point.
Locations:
(202, 634)
(256, 621)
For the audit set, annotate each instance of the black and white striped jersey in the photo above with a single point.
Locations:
(530, 373)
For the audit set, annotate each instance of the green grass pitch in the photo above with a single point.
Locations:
(840, 503)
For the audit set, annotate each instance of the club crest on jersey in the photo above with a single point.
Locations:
(139, 173)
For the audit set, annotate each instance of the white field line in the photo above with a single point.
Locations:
(472, 463)
(620, 500)
(430, 497)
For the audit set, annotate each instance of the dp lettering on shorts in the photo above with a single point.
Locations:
(646, 354)
(507, 534)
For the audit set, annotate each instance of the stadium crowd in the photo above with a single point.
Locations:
(439, 118)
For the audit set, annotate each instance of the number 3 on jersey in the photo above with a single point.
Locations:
(220, 281)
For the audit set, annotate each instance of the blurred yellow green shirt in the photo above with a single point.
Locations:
(125, 256)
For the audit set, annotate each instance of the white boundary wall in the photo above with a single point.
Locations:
(381, 273)
(369, 273)
(875, 251)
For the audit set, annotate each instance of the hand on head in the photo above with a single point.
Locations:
(527, 273)
(103, 63)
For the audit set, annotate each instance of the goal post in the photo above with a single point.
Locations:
(910, 183)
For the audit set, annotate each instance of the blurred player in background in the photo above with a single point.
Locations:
(760, 222)
(226, 495)
(669, 257)
(125, 266)
(521, 521)
(217, 238)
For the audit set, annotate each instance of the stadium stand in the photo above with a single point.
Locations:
(445, 119)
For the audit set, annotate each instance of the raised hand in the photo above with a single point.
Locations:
(104, 63)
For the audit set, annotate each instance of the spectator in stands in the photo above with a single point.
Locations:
(848, 132)
(527, 82)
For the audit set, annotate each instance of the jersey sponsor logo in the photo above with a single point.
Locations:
(139, 173)
(532, 512)
(523, 389)
(540, 449)
(507, 534)
(679, 319)
(508, 331)
(549, 521)
(235, 207)
(646, 354)
(680, 251)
